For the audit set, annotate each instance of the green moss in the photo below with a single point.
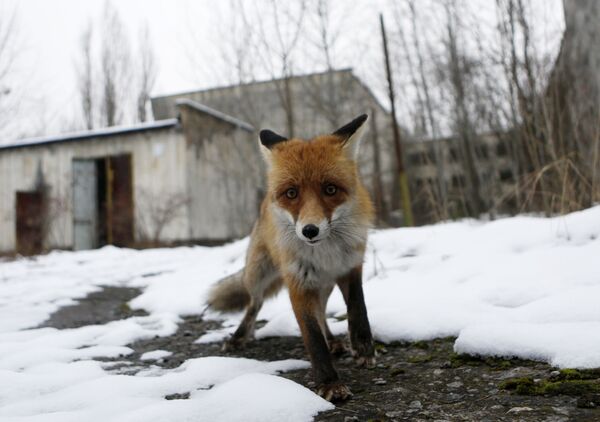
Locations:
(420, 359)
(397, 371)
(423, 345)
(125, 309)
(497, 363)
(578, 374)
(570, 374)
(570, 387)
(380, 348)
(464, 359)
(522, 384)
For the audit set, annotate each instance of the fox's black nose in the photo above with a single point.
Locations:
(310, 231)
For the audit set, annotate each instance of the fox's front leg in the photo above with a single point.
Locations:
(306, 304)
(358, 322)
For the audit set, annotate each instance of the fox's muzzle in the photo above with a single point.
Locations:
(312, 233)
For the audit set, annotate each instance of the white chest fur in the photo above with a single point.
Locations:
(315, 266)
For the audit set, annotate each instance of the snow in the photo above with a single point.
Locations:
(155, 355)
(523, 286)
(90, 134)
(81, 391)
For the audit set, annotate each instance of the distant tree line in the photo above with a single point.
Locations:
(114, 77)
(457, 75)
(471, 77)
(10, 45)
(460, 76)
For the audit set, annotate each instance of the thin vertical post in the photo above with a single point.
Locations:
(404, 190)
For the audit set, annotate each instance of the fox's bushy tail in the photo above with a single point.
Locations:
(229, 294)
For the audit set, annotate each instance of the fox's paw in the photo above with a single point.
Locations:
(334, 392)
(232, 344)
(364, 354)
(365, 361)
(338, 347)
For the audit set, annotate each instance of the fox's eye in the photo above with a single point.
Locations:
(330, 190)
(291, 193)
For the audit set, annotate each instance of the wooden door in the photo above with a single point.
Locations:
(85, 204)
(120, 209)
(30, 210)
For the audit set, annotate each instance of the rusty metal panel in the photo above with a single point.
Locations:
(30, 213)
(121, 200)
(85, 205)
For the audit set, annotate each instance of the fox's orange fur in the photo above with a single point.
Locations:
(310, 236)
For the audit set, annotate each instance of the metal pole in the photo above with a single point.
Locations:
(404, 190)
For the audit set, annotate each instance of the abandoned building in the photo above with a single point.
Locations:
(164, 181)
(495, 168)
(316, 103)
(194, 174)
(303, 106)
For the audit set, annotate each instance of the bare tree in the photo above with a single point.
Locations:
(156, 212)
(113, 88)
(115, 67)
(326, 94)
(85, 77)
(280, 28)
(458, 67)
(9, 50)
(146, 72)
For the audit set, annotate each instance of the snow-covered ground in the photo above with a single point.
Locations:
(522, 286)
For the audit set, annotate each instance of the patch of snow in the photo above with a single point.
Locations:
(156, 355)
(82, 390)
(247, 398)
(562, 344)
(522, 286)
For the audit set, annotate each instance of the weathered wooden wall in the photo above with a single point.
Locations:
(224, 176)
(158, 171)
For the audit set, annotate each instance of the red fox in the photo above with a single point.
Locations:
(310, 236)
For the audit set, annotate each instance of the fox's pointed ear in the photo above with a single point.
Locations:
(351, 135)
(268, 139)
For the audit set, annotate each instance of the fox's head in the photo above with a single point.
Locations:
(313, 185)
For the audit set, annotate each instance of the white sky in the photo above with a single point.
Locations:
(49, 32)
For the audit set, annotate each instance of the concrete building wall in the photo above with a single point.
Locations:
(225, 180)
(321, 103)
(157, 166)
(494, 167)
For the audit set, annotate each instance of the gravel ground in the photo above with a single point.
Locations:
(422, 381)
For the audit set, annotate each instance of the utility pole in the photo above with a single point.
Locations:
(404, 191)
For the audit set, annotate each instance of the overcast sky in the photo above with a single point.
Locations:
(49, 32)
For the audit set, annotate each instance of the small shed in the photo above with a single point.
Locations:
(191, 179)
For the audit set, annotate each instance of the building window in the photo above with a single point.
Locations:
(415, 159)
(430, 157)
(458, 181)
(454, 156)
(501, 150)
(482, 151)
(506, 175)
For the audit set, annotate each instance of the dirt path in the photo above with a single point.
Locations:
(412, 381)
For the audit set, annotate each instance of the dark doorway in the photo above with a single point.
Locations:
(119, 210)
(108, 201)
(31, 213)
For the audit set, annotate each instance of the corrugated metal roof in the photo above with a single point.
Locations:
(90, 134)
